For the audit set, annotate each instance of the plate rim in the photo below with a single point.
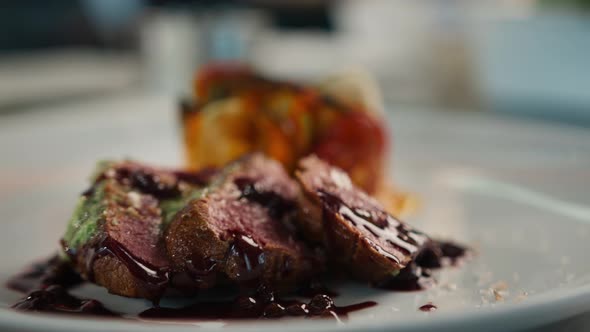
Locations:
(562, 303)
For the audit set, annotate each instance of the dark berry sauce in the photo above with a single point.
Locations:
(250, 258)
(47, 284)
(149, 183)
(56, 299)
(315, 287)
(381, 225)
(428, 254)
(52, 279)
(411, 278)
(52, 271)
(253, 307)
(153, 279)
(198, 178)
(276, 204)
(418, 274)
(428, 307)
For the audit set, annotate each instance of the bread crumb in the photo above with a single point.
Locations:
(497, 295)
(497, 292)
(110, 173)
(134, 199)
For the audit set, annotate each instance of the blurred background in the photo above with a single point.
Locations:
(526, 58)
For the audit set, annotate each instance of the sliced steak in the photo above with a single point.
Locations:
(354, 228)
(239, 233)
(114, 237)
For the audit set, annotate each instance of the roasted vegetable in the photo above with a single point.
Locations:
(238, 111)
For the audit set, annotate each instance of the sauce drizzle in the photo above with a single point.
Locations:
(382, 226)
(428, 307)
(55, 298)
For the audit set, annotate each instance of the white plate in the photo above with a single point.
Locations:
(516, 191)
